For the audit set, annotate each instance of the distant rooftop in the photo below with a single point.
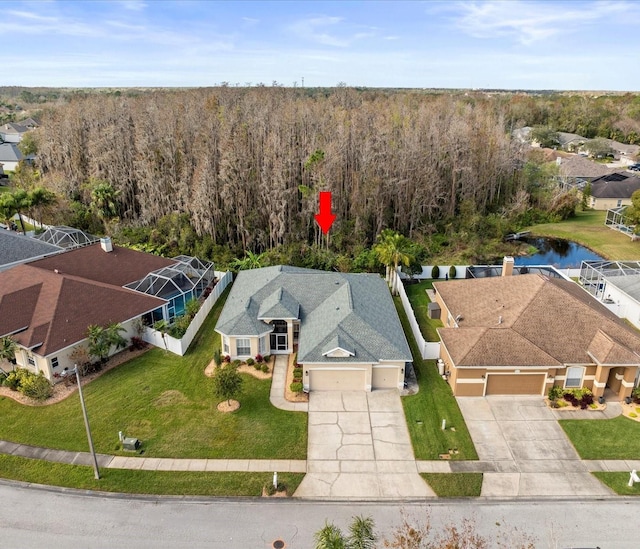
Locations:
(16, 248)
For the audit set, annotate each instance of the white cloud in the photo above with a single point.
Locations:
(532, 22)
(314, 30)
(133, 5)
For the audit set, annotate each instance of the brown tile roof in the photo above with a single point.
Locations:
(545, 322)
(60, 307)
(119, 267)
(605, 350)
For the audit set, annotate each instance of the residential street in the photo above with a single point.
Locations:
(66, 519)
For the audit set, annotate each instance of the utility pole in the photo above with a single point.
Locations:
(96, 471)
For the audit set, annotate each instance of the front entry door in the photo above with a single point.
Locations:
(279, 343)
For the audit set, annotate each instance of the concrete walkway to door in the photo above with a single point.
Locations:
(359, 448)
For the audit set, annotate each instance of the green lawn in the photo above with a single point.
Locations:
(5, 189)
(417, 294)
(167, 402)
(618, 482)
(143, 482)
(588, 229)
(433, 403)
(454, 485)
(617, 438)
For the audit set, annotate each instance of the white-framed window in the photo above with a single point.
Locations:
(574, 377)
(619, 203)
(225, 345)
(243, 346)
(54, 362)
(31, 360)
(262, 345)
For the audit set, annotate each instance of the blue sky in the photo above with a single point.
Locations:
(469, 44)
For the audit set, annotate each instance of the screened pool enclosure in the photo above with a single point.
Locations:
(67, 237)
(185, 280)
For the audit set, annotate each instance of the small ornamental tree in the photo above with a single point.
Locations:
(227, 382)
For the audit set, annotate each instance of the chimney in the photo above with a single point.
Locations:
(507, 265)
(105, 244)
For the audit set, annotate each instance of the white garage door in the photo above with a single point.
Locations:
(385, 378)
(336, 380)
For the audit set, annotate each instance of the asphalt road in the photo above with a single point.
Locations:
(34, 517)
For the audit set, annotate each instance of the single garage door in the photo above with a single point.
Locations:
(385, 378)
(336, 380)
(515, 384)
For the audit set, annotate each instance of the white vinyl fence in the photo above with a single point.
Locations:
(428, 349)
(180, 346)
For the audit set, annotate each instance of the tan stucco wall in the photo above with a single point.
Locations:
(608, 203)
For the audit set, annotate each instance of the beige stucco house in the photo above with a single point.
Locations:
(344, 326)
(523, 334)
(613, 191)
(47, 305)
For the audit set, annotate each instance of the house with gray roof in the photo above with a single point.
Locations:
(613, 190)
(10, 155)
(12, 132)
(16, 248)
(344, 326)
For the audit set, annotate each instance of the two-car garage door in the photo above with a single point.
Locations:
(515, 384)
(352, 380)
(336, 380)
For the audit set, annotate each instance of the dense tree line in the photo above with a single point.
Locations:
(246, 165)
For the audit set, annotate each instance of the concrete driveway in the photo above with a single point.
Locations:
(359, 448)
(527, 450)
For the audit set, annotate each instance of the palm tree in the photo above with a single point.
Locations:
(249, 261)
(104, 200)
(14, 203)
(101, 340)
(162, 326)
(8, 348)
(40, 198)
(393, 249)
(361, 535)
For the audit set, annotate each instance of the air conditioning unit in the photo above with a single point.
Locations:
(130, 444)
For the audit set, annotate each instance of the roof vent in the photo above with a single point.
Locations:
(105, 244)
(56, 271)
(500, 319)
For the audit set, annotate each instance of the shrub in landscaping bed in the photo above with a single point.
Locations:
(265, 368)
(259, 358)
(250, 362)
(296, 387)
(258, 365)
(297, 372)
(29, 384)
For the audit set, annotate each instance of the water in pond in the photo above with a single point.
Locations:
(563, 254)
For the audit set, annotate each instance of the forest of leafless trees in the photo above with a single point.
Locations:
(247, 164)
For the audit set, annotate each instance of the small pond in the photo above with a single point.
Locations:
(563, 254)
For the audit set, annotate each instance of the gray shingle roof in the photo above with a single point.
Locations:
(15, 247)
(615, 185)
(355, 310)
(280, 304)
(9, 152)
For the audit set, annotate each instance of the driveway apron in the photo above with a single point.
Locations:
(359, 448)
(529, 452)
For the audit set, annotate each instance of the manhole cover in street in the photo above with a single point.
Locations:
(278, 544)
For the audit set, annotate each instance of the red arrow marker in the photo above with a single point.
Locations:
(325, 218)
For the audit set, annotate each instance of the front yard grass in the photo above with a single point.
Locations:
(617, 438)
(417, 294)
(434, 402)
(454, 485)
(588, 229)
(143, 482)
(618, 482)
(168, 403)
